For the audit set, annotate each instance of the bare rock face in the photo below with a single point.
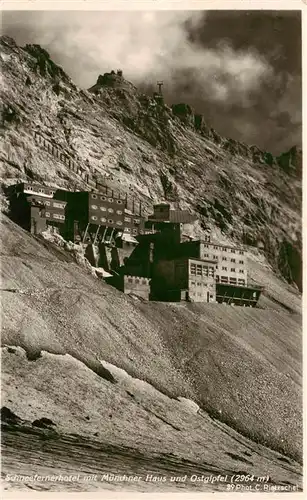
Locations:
(291, 161)
(43, 65)
(242, 193)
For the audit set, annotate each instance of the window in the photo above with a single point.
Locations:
(233, 260)
(127, 229)
(137, 281)
(233, 280)
(206, 255)
(127, 219)
(198, 270)
(224, 268)
(241, 252)
(103, 209)
(193, 269)
(233, 270)
(129, 280)
(119, 212)
(119, 223)
(103, 219)
(144, 282)
(216, 248)
(198, 283)
(233, 251)
(56, 216)
(111, 200)
(135, 231)
(241, 271)
(47, 214)
(40, 190)
(224, 258)
(241, 261)
(211, 296)
(119, 202)
(103, 198)
(94, 196)
(110, 210)
(224, 279)
(217, 267)
(94, 217)
(217, 278)
(58, 205)
(137, 221)
(241, 282)
(111, 221)
(94, 207)
(224, 249)
(48, 203)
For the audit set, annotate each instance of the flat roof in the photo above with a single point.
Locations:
(215, 244)
(248, 287)
(189, 258)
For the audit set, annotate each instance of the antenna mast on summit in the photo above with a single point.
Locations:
(160, 85)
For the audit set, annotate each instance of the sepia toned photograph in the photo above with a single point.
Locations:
(151, 251)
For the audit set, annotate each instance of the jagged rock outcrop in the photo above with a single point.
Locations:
(240, 193)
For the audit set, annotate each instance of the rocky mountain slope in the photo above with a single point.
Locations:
(239, 193)
(94, 361)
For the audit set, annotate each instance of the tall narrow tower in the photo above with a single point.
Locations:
(160, 85)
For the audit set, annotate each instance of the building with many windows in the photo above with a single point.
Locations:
(98, 217)
(152, 258)
(34, 207)
(230, 262)
(183, 279)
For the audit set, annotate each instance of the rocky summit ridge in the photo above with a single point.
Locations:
(159, 152)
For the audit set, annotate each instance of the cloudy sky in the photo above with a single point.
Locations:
(241, 70)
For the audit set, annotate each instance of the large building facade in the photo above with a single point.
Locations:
(230, 262)
(34, 208)
(184, 279)
(152, 258)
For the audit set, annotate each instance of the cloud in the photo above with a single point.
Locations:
(246, 81)
(148, 46)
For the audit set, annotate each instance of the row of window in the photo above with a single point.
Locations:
(55, 205)
(118, 212)
(201, 270)
(215, 257)
(110, 221)
(233, 260)
(56, 216)
(137, 281)
(232, 281)
(105, 209)
(232, 270)
(104, 198)
(199, 283)
(199, 294)
(40, 190)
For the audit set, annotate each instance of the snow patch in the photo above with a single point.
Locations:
(188, 403)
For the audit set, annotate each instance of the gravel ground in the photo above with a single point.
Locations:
(82, 349)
